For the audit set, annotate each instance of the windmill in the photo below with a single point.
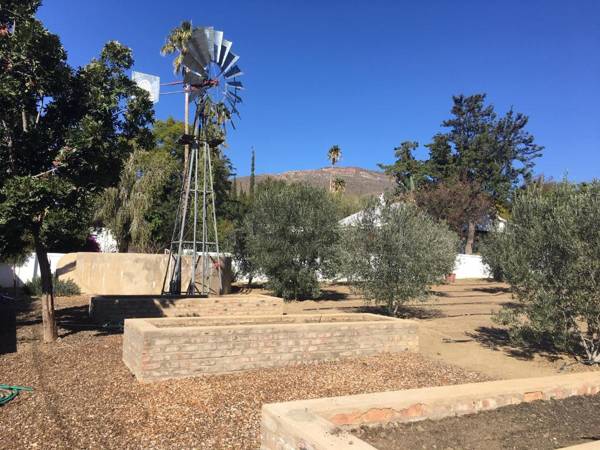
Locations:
(211, 86)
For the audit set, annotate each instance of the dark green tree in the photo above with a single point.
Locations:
(408, 171)
(64, 134)
(493, 154)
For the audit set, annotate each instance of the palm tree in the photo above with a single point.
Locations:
(177, 42)
(339, 185)
(334, 155)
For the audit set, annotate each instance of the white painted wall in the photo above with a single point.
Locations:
(27, 271)
(470, 266)
(467, 266)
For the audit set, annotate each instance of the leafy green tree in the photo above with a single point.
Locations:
(64, 134)
(491, 155)
(395, 252)
(293, 237)
(550, 255)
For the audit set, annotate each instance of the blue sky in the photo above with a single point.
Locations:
(367, 75)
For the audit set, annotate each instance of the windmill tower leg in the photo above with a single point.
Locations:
(214, 221)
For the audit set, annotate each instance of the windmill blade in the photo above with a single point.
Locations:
(233, 108)
(229, 61)
(193, 65)
(235, 84)
(193, 78)
(210, 40)
(230, 98)
(218, 44)
(237, 98)
(225, 48)
(198, 47)
(235, 71)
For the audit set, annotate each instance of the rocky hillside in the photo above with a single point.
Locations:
(359, 182)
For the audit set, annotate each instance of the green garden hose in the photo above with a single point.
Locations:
(8, 392)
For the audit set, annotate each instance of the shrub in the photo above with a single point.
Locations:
(491, 250)
(550, 254)
(62, 288)
(292, 236)
(395, 252)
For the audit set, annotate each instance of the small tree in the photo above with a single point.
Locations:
(550, 254)
(293, 237)
(395, 252)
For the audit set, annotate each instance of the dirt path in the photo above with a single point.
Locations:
(456, 327)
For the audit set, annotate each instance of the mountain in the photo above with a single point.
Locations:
(359, 181)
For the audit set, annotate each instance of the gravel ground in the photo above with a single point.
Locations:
(86, 398)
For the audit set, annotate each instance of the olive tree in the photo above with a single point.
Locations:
(394, 252)
(550, 254)
(293, 237)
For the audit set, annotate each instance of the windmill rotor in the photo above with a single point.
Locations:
(211, 69)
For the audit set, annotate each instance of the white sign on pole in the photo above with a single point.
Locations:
(149, 83)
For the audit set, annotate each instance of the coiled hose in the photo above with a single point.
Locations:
(8, 392)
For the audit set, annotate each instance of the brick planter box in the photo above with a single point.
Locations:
(323, 423)
(116, 308)
(156, 349)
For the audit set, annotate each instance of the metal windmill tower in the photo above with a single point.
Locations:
(211, 86)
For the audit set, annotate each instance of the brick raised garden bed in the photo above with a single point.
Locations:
(116, 308)
(155, 349)
(329, 422)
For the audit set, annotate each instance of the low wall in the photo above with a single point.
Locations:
(115, 309)
(325, 423)
(470, 266)
(129, 273)
(156, 349)
(27, 271)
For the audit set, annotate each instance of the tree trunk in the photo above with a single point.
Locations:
(470, 238)
(48, 319)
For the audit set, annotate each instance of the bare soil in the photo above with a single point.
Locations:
(539, 425)
(84, 396)
(455, 326)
